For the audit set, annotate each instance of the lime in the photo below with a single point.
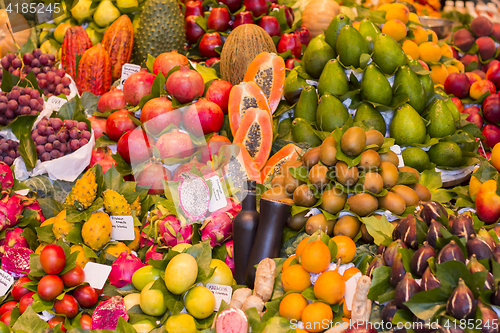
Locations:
(446, 154)
(416, 158)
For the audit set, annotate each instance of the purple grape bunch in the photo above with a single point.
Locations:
(19, 101)
(8, 150)
(55, 137)
(51, 80)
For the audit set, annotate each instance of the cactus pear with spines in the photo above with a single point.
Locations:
(106, 314)
(116, 249)
(136, 205)
(96, 232)
(84, 192)
(11, 209)
(6, 177)
(123, 268)
(61, 227)
(115, 203)
(16, 261)
(13, 238)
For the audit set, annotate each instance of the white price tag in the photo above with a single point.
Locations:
(56, 102)
(123, 227)
(218, 199)
(221, 293)
(96, 274)
(6, 281)
(127, 70)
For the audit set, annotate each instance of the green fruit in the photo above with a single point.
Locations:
(350, 46)
(144, 276)
(367, 115)
(127, 6)
(375, 87)
(95, 37)
(406, 81)
(407, 127)
(307, 104)
(369, 31)
(427, 83)
(317, 54)
(106, 13)
(293, 86)
(83, 10)
(143, 326)
(441, 122)
(4, 328)
(387, 54)
(152, 301)
(453, 109)
(285, 129)
(333, 80)
(181, 273)
(302, 131)
(446, 153)
(331, 113)
(416, 158)
(334, 28)
(200, 302)
(61, 15)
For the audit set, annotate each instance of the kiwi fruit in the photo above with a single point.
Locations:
(408, 194)
(392, 202)
(303, 196)
(291, 183)
(297, 221)
(285, 167)
(347, 225)
(390, 156)
(370, 160)
(278, 180)
(317, 176)
(362, 204)
(345, 175)
(374, 137)
(333, 201)
(410, 169)
(422, 191)
(389, 174)
(311, 157)
(373, 182)
(353, 141)
(318, 222)
(365, 236)
(276, 193)
(328, 151)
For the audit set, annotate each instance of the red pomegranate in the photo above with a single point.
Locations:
(137, 86)
(98, 125)
(168, 60)
(208, 43)
(106, 163)
(203, 117)
(112, 100)
(135, 146)
(213, 146)
(98, 154)
(158, 113)
(152, 176)
(185, 84)
(218, 93)
(186, 167)
(175, 144)
(118, 123)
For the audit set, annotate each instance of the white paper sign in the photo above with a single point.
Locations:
(218, 199)
(56, 102)
(6, 281)
(96, 274)
(127, 70)
(221, 293)
(123, 228)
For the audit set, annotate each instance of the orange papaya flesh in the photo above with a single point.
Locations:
(290, 152)
(238, 166)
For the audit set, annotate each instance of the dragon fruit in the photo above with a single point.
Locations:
(152, 254)
(172, 233)
(218, 227)
(230, 255)
(123, 268)
(147, 235)
(13, 238)
(34, 205)
(11, 209)
(194, 196)
(6, 177)
(106, 314)
(16, 261)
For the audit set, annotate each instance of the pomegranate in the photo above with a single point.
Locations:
(152, 176)
(290, 42)
(137, 86)
(203, 117)
(168, 60)
(219, 19)
(98, 125)
(218, 93)
(98, 154)
(185, 84)
(271, 25)
(304, 36)
(106, 163)
(233, 5)
(135, 146)
(257, 7)
(213, 146)
(186, 167)
(242, 18)
(118, 123)
(290, 63)
(193, 8)
(160, 109)
(175, 144)
(112, 100)
(211, 61)
(208, 43)
(193, 30)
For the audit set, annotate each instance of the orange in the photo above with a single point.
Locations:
(347, 313)
(446, 51)
(301, 246)
(433, 37)
(292, 305)
(411, 49)
(287, 262)
(398, 13)
(317, 317)
(452, 69)
(439, 74)
(474, 185)
(350, 272)
(420, 35)
(414, 18)
(346, 248)
(315, 257)
(429, 52)
(295, 278)
(395, 28)
(356, 25)
(329, 287)
(495, 157)
(460, 66)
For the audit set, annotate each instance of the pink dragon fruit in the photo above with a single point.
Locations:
(147, 235)
(194, 196)
(218, 227)
(34, 205)
(107, 313)
(123, 268)
(13, 238)
(172, 233)
(152, 254)
(11, 209)
(6, 177)
(16, 261)
(230, 255)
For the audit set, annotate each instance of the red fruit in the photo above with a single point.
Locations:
(491, 63)
(7, 307)
(304, 36)
(188, 166)
(480, 73)
(458, 103)
(73, 277)
(53, 259)
(26, 301)
(112, 100)
(242, 18)
(219, 19)
(203, 117)
(137, 86)
(160, 109)
(99, 154)
(54, 321)
(185, 85)
(493, 75)
(151, 176)
(66, 306)
(119, 123)
(470, 61)
(98, 125)
(193, 30)
(491, 108)
(208, 43)
(218, 93)
(492, 134)
(257, 7)
(271, 25)
(212, 61)
(457, 84)
(107, 163)
(49, 287)
(233, 5)
(290, 42)
(193, 8)
(213, 146)
(289, 15)
(175, 144)
(86, 296)
(135, 146)
(290, 63)
(475, 118)
(86, 321)
(5, 318)
(168, 60)
(18, 290)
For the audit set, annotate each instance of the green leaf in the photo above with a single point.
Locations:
(36, 269)
(75, 234)
(430, 179)
(9, 80)
(202, 22)
(380, 283)
(485, 172)
(89, 102)
(449, 272)
(45, 233)
(21, 127)
(407, 178)
(309, 294)
(30, 322)
(207, 73)
(73, 215)
(149, 63)
(380, 229)
(202, 252)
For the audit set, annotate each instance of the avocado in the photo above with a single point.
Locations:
(331, 113)
(307, 104)
(317, 54)
(407, 127)
(375, 87)
(441, 121)
(369, 31)
(302, 131)
(333, 80)
(387, 54)
(370, 117)
(334, 28)
(293, 86)
(350, 46)
(416, 158)
(407, 81)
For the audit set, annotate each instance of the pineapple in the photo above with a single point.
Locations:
(84, 192)
(115, 203)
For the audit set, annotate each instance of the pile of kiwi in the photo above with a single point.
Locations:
(369, 185)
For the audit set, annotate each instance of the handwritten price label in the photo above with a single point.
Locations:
(56, 102)
(6, 281)
(123, 228)
(127, 70)
(221, 293)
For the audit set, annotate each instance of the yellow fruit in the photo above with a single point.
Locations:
(398, 13)
(295, 278)
(292, 305)
(40, 248)
(48, 221)
(134, 245)
(411, 49)
(429, 52)
(420, 35)
(96, 232)
(346, 248)
(181, 323)
(222, 274)
(414, 18)
(84, 192)
(81, 260)
(433, 35)
(446, 51)
(181, 273)
(495, 157)
(395, 28)
(452, 69)
(460, 66)
(317, 317)
(288, 261)
(61, 227)
(116, 249)
(200, 302)
(315, 257)
(438, 74)
(329, 287)
(180, 247)
(115, 203)
(350, 272)
(474, 186)
(136, 205)
(356, 25)
(132, 300)
(301, 246)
